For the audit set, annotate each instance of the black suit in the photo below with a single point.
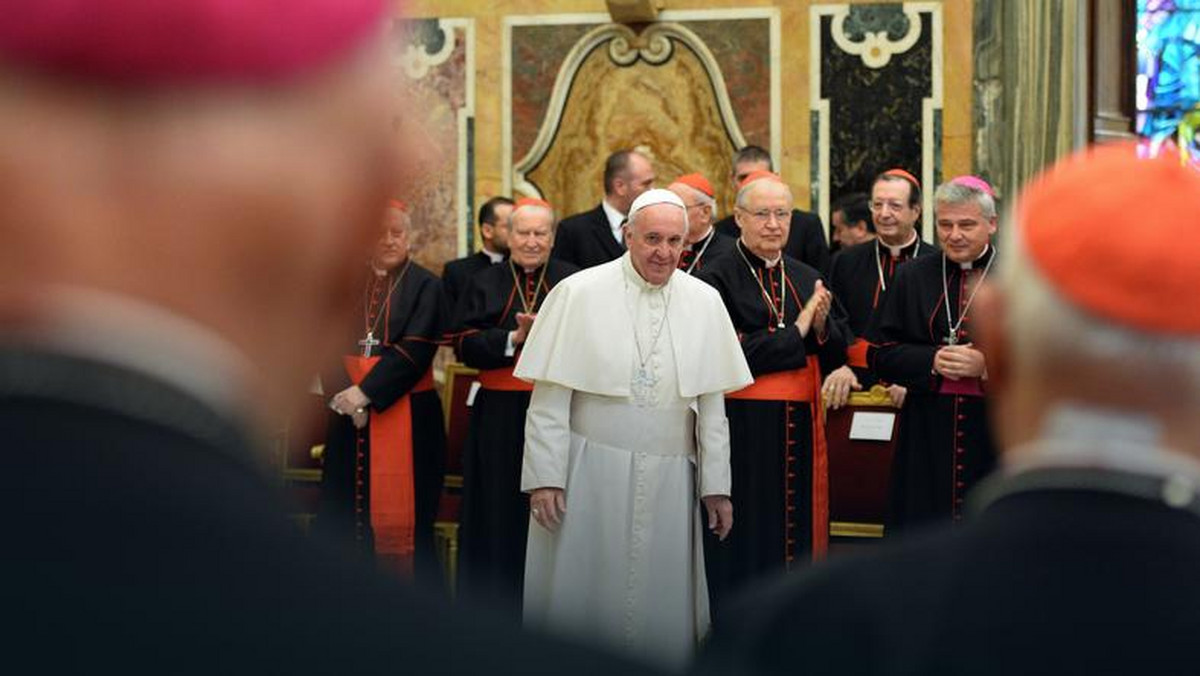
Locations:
(140, 537)
(586, 239)
(806, 238)
(459, 271)
(1046, 580)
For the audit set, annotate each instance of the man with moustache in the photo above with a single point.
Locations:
(923, 339)
(626, 427)
(494, 230)
(704, 242)
(594, 237)
(492, 323)
(790, 334)
(860, 277)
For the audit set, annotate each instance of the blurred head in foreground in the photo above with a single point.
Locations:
(223, 180)
(1096, 310)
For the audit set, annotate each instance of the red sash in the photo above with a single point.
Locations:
(502, 379)
(393, 496)
(802, 384)
(856, 354)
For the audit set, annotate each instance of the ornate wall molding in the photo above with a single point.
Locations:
(876, 32)
(654, 45)
(878, 35)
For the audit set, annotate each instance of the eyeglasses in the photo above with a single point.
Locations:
(764, 215)
(694, 205)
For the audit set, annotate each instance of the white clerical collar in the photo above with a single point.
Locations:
(615, 218)
(493, 257)
(1082, 435)
(897, 250)
(768, 263)
(131, 333)
(971, 264)
(379, 272)
(636, 278)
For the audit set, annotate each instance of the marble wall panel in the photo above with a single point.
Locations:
(875, 78)
(668, 111)
(434, 72)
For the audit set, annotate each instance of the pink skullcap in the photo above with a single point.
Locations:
(157, 42)
(974, 182)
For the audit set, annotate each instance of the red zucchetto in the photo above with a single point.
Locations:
(1115, 235)
(697, 182)
(171, 42)
(761, 174)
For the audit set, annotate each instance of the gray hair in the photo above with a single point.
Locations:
(958, 193)
(700, 196)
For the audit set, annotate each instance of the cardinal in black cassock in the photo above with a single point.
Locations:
(385, 445)
(491, 322)
(705, 243)
(778, 455)
(922, 340)
(860, 276)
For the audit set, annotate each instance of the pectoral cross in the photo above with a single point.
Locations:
(369, 342)
(951, 338)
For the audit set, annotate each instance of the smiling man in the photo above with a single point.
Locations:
(493, 320)
(923, 340)
(790, 333)
(630, 361)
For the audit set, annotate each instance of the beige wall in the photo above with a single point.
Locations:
(794, 14)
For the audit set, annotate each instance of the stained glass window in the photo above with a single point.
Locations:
(1168, 76)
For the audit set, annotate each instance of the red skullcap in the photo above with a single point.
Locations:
(532, 202)
(398, 204)
(1115, 236)
(147, 42)
(758, 176)
(698, 182)
(900, 173)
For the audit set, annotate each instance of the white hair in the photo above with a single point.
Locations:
(1045, 331)
(700, 196)
(532, 208)
(743, 194)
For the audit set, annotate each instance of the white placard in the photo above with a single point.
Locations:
(872, 426)
(472, 392)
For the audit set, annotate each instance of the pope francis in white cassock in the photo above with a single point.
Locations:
(630, 362)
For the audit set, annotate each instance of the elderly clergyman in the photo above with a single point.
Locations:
(621, 427)
(1080, 557)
